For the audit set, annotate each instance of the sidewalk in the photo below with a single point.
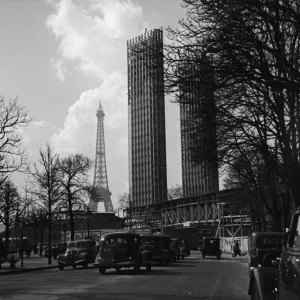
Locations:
(34, 263)
(197, 255)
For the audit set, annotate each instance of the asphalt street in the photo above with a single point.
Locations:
(191, 278)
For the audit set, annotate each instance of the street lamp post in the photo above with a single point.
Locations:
(22, 241)
(88, 213)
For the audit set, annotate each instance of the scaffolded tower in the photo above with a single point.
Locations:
(146, 116)
(198, 132)
(101, 191)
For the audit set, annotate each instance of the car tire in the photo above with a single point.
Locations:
(85, 265)
(178, 257)
(118, 269)
(174, 259)
(148, 268)
(74, 267)
(61, 267)
(218, 256)
(102, 270)
(203, 255)
(182, 257)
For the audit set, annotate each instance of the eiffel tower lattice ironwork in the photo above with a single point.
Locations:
(101, 191)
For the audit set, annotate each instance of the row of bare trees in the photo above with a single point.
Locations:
(54, 184)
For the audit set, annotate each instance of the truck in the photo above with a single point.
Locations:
(280, 280)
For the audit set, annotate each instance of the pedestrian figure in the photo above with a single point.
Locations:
(236, 249)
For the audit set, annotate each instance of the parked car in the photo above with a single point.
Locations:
(178, 248)
(154, 244)
(58, 249)
(168, 252)
(121, 250)
(282, 282)
(263, 248)
(81, 252)
(211, 247)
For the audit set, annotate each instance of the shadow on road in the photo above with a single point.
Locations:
(142, 272)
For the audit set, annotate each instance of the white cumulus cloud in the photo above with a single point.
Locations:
(93, 37)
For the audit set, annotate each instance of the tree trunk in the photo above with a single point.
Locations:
(6, 238)
(277, 220)
(41, 242)
(35, 241)
(49, 235)
(72, 227)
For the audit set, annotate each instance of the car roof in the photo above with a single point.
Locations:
(274, 234)
(82, 241)
(121, 233)
(151, 236)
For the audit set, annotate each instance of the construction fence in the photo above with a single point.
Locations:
(226, 244)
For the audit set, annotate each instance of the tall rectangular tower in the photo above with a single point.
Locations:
(146, 114)
(198, 134)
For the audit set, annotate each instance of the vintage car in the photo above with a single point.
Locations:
(263, 248)
(121, 250)
(155, 244)
(179, 248)
(280, 283)
(80, 252)
(59, 249)
(211, 247)
(168, 252)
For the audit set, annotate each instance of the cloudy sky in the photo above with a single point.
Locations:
(61, 57)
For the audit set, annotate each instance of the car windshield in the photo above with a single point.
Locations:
(271, 242)
(114, 241)
(149, 241)
(72, 245)
(81, 244)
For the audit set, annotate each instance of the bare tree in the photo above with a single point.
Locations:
(13, 119)
(12, 205)
(9, 202)
(175, 192)
(74, 171)
(123, 200)
(47, 189)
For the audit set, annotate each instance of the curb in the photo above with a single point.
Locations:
(18, 271)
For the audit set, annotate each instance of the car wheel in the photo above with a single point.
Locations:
(61, 267)
(74, 267)
(118, 269)
(182, 257)
(174, 259)
(102, 270)
(85, 265)
(218, 256)
(148, 268)
(203, 255)
(178, 257)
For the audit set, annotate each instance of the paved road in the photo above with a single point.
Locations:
(191, 278)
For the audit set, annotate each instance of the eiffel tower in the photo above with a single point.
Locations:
(101, 191)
